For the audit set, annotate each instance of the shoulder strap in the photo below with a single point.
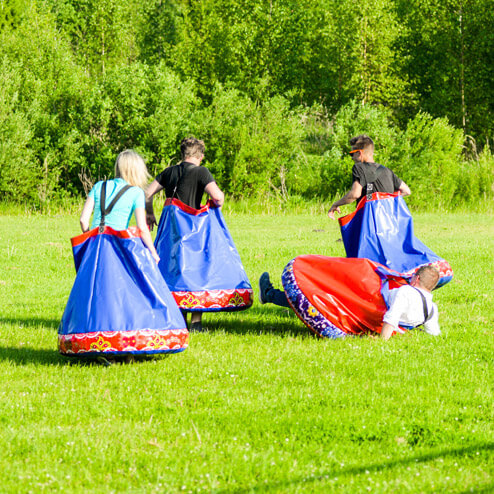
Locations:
(107, 210)
(427, 315)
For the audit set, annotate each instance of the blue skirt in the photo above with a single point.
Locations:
(381, 229)
(199, 260)
(120, 303)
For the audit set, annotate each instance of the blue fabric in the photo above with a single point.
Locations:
(118, 287)
(386, 276)
(197, 251)
(382, 231)
(119, 218)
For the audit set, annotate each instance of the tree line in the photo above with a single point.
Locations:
(274, 87)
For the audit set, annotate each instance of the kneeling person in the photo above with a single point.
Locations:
(411, 305)
(338, 297)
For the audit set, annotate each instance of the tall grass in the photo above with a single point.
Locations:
(256, 404)
(268, 205)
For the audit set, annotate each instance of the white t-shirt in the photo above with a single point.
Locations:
(406, 309)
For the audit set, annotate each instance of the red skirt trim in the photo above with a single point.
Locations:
(138, 341)
(132, 232)
(188, 209)
(215, 300)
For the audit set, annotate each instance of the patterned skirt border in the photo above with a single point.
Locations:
(444, 268)
(215, 300)
(145, 341)
(306, 312)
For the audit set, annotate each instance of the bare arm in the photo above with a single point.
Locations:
(387, 331)
(215, 193)
(352, 195)
(86, 214)
(140, 214)
(152, 189)
(404, 189)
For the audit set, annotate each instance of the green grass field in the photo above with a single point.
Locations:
(256, 404)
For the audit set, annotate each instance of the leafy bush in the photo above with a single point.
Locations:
(354, 119)
(327, 144)
(427, 158)
(19, 173)
(50, 95)
(251, 146)
(61, 121)
(145, 108)
(476, 179)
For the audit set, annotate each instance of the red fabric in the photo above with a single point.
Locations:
(124, 341)
(347, 292)
(188, 209)
(132, 232)
(214, 299)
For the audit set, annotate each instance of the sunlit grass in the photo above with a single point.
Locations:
(256, 404)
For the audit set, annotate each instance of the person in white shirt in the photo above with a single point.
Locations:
(412, 305)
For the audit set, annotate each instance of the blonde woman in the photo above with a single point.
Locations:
(130, 170)
(120, 305)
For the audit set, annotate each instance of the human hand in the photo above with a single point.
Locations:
(156, 257)
(151, 221)
(332, 211)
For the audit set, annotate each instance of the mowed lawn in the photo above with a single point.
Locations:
(256, 404)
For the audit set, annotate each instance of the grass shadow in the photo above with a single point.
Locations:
(31, 322)
(260, 320)
(369, 468)
(277, 328)
(27, 355)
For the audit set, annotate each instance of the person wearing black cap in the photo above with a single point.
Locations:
(367, 176)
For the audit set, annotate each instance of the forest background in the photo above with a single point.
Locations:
(275, 88)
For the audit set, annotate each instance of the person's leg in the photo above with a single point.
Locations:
(184, 315)
(269, 294)
(196, 321)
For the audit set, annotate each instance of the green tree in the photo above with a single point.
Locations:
(158, 30)
(141, 107)
(10, 12)
(20, 172)
(102, 32)
(251, 147)
(51, 96)
(449, 55)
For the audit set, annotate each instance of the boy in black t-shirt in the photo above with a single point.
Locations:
(186, 182)
(365, 172)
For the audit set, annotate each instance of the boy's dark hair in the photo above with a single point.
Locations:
(190, 147)
(361, 141)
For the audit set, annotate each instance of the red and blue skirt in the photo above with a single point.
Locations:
(120, 303)
(381, 229)
(199, 260)
(338, 297)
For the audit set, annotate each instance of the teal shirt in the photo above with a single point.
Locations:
(120, 216)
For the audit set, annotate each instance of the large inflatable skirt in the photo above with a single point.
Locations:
(120, 303)
(338, 297)
(381, 229)
(199, 260)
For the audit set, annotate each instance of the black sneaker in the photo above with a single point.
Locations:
(265, 286)
(196, 327)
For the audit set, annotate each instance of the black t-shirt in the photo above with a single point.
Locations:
(383, 179)
(191, 180)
